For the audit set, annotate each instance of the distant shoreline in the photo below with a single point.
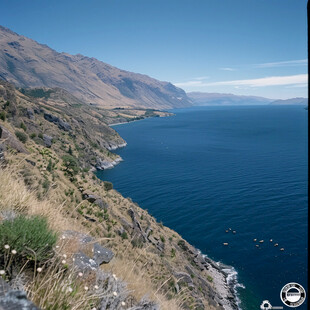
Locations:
(168, 114)
(122, 123)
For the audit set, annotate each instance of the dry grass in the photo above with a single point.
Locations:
(58, 287)
(14, 196)
(138, 279)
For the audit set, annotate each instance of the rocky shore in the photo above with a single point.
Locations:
(116, 146)
(103, 164)
(224, 278)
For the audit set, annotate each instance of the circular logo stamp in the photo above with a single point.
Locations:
(293, 294)
(266, 305)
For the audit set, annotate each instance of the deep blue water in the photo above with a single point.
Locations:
(208, 169)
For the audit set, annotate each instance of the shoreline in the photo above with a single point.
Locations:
(115, 124)
(122, 123)
(225, 282)
(168, 114)
(225, 278)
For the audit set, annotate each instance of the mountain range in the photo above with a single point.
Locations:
(200, 98)
(205, 99)
(295, 101)
(28, 64)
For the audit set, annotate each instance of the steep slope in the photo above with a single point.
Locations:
(48, 148)
(200, 98)
(26, 63)
(62, 116)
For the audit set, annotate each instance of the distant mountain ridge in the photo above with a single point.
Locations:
(295, 101)
(26, 63)
(201, 98)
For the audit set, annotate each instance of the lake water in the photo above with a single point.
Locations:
(208, 169)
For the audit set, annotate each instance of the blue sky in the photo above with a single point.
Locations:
(250, 47)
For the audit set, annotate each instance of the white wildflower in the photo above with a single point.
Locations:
(63, 261)
(2, 272)
(80, 274)
(39, 269)
(14, 252)
(114, 276)
(86, 288)
(123, 303)
(96, 287)
(69, 289)
(65, 256)
(114, 293)
(6, 246)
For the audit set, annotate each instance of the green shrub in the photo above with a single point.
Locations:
(40, 135)
(6, 104)
(21, 136)
(33, 135)
(137, 243)
(2, 115)
(23, 126)
(124, 235)
(71, 164)
(29, 236)
(99, 214)
(46, 184)
(172, 253)
(50, 166)
(107, 185)
(209, 278)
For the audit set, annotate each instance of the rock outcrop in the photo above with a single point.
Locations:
(47, 140)
(83, 261)
(115, 146)
(95, 199)
(103, 164)
(2, 149)
(9, 139)
(14, 299)
(56, 120)
(30, 113)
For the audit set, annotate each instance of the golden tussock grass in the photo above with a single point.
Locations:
(137, 279)
(58, 287)
(14, 196)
